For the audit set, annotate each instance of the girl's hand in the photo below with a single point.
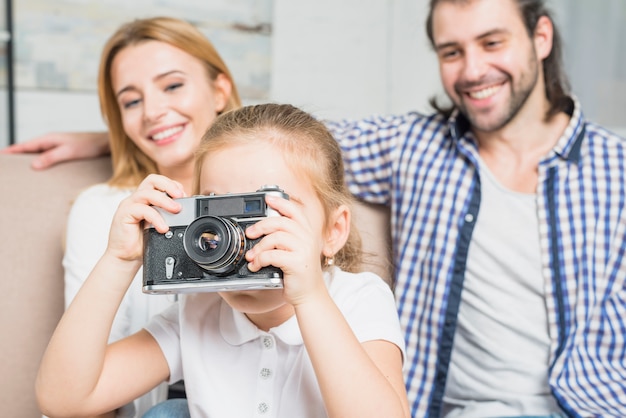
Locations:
(126, 235)
(292, 245)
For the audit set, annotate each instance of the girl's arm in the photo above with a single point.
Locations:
(361, 380)
(80, 374)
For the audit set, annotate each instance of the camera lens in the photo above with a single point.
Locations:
(209, 241)
(215, 244)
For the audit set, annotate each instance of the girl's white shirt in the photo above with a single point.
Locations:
(232, 368)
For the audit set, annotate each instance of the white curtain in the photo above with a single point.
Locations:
(594, 37)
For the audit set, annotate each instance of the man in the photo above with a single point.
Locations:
(507, 224)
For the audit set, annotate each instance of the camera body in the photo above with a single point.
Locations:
(205, 247)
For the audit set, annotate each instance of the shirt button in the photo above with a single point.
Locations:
(469, 218)
(268, 342)
(265, 373)
(263, 408)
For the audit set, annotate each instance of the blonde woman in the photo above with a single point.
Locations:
(161, 84)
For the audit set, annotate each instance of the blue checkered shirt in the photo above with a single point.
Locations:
(426, 169)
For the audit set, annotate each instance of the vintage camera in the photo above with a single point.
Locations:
(204, 249)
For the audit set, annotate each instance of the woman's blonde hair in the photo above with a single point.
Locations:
(130, 164)
(307, 146)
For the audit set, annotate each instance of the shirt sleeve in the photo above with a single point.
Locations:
(369, 307)
(165, 328)
(593, 361)
(369, 146)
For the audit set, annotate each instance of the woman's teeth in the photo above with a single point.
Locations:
(166, 133)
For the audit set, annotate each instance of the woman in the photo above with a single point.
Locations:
(161, 84)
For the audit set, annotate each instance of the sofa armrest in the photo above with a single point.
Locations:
(373, 223)
(33, 213)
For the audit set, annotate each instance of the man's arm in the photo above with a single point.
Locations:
(54, 148)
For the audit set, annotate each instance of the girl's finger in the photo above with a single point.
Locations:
(153, 217)
(159, 199)
(267, 226)
(278, 240)
(285, 207)
(163, 184)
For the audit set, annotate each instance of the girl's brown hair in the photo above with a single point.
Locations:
(130, 164)
(307, 146)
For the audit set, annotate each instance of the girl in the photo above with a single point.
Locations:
(328, 344)
(161, 84)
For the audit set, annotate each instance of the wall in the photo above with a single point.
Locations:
(335, 59)
(39, 112)
(366, 56)
(594, 36)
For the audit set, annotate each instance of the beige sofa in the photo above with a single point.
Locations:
(32, 222)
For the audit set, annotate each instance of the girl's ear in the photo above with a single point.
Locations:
(222, 87)
(337, 231)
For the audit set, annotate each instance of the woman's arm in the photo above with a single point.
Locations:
(54, 148)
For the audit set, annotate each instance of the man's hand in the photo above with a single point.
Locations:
(54, 148)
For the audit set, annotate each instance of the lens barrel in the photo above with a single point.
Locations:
(214, 243)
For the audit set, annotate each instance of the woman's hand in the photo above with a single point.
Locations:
(292, 245)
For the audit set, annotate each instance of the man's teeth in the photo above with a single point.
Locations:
(483, 94)
(166, 133)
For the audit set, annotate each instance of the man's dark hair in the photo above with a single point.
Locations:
(557, 85)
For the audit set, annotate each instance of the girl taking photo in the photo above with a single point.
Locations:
(327, 344)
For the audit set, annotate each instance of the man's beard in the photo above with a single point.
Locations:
(519, 94)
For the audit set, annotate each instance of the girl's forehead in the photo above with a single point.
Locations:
(243, 168)
(246, 166)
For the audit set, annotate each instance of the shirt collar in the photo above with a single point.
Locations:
(568, 146)
(237, 329)
(458, 124)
